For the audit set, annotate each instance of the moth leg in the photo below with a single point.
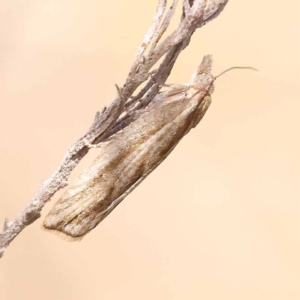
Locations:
(175, 86)
(170, 85)
(90, 145)
(167, 85)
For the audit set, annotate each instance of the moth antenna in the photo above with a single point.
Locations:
(232, 68)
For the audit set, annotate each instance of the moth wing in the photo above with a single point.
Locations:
(124, 162)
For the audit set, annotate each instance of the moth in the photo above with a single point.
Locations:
(130, 155)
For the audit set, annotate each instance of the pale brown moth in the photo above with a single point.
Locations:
(130, 155)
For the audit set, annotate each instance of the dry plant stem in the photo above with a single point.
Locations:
(135, 151)
(196, 13)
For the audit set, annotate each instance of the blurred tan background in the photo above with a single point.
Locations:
(219, 219)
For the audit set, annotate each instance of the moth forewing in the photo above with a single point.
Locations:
(128, 158)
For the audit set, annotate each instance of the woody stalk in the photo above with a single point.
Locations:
(128, 106)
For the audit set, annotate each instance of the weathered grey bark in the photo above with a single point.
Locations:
(195, 14)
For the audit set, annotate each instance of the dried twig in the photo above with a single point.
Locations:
(123, 110)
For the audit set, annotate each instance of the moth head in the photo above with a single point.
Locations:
(202, 79)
